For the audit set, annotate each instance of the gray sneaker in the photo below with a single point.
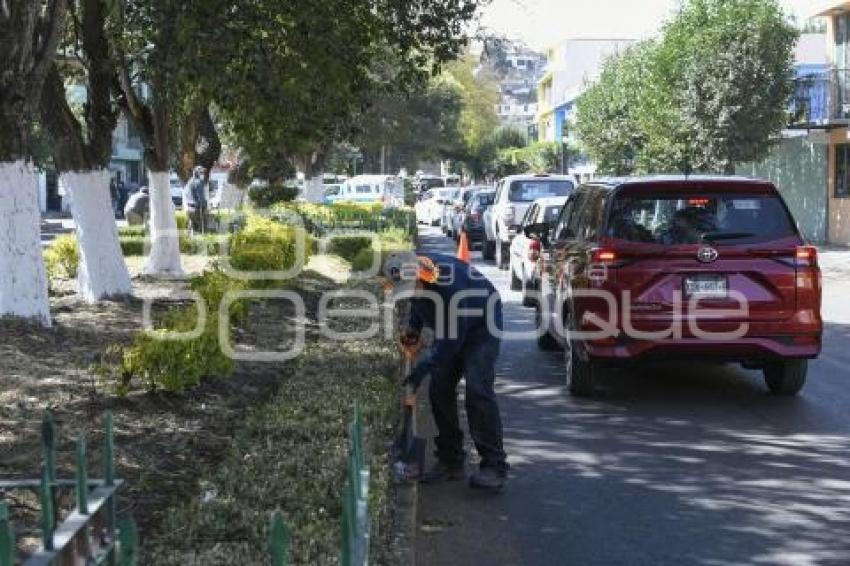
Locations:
(492, 479)
(442, 472)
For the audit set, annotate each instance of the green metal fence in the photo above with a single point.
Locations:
(89, 534)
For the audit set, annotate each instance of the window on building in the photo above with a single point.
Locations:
(842, 170)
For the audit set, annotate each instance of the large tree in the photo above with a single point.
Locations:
(710, 93)
(307, 72)
(732, 64)
(82, 147)
(29, 34)
(153, 47)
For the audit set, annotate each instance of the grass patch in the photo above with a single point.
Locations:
(290, 455)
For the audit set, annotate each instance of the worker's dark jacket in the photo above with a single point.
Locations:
(456, 277)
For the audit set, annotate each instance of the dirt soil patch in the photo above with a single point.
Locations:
(164, 443)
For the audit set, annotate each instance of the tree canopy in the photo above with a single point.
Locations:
(711, 92)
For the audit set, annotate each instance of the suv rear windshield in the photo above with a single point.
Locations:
(693, 219)
(527, 191)
(485, 199)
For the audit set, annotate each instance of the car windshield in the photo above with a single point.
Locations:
(527, 191)
(689, 219)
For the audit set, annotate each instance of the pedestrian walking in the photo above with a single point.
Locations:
(466, 344)
(195, 200)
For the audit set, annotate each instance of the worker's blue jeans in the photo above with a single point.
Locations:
(475, 362)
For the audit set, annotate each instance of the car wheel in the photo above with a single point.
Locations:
(501, 255)
(516, 283)
(487, 249)
(580, 374)
(786, 377)
(545, 341)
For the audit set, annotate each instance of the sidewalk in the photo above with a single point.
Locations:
(834, 262)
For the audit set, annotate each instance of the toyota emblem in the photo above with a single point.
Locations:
(707, 255)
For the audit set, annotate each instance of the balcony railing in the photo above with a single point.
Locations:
(821, 99)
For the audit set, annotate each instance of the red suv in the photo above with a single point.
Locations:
(661, 268)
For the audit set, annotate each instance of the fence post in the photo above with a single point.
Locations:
(7, 537)
(279, 540)
(48, 446)
(109, 478)
(47, 516)
(129, 539)
(82, 477)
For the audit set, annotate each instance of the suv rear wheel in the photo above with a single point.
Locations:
(786, 377)
(545, 341)
(581, 374)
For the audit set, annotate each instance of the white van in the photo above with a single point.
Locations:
(387, 189)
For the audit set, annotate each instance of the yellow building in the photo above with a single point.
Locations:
(837, 15)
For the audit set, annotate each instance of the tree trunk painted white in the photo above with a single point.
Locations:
(102, 272)
(313, 189)
(164, 258)
(23, 279)
(231, 197)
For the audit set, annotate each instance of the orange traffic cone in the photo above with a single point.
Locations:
(463, 247)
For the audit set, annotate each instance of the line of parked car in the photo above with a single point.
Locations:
(650, 269)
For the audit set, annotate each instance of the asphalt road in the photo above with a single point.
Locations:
(687, 464)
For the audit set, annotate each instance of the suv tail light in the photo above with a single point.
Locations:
(808, 278)
(602, 256)
(534, 250)
(806, 256)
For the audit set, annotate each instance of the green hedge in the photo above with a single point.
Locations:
(266, 245)
(348, 247)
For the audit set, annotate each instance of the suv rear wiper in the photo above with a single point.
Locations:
(712, 236)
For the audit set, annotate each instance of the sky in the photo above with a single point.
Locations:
(540, 23)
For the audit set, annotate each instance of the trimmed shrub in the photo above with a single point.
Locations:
(348, 247)
(132, 245)
(131, 231)
(175, 365)
(264, 196)
(266, 245)
(62, 257)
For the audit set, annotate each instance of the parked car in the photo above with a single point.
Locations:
(472, 219)
(525, 250)
(447, 208)
(457, 212)
(429, 209)
(722, 253)
(386, 189)
(514, 195)
(331, 193)
(428, 182)
(176, 188)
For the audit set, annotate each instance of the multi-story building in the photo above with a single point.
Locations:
(571, 66)
(817, 142)
(518, 74)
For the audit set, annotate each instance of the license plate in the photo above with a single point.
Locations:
(706, 287)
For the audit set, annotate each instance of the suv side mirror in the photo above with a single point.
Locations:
(538, 231)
